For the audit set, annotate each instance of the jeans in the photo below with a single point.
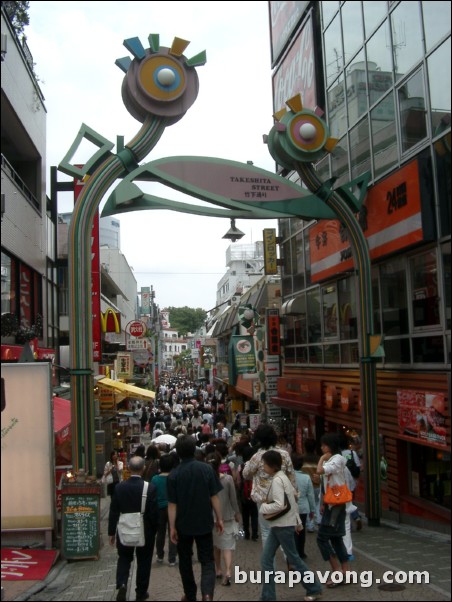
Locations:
(331, 532)
(204, 545)
(283, 536)
(144, 561)
(163, 528)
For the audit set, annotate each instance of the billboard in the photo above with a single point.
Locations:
(284, 18)
(297, 72)
(28, 442)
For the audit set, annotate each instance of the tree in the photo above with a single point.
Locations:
(186, 319)
(18, 15)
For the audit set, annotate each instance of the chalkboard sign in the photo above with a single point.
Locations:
(80, 517)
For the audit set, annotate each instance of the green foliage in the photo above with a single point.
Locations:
(18, 15)
(186, 319)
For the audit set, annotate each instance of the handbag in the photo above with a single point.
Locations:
(337, 494)
(131, 525)
(286, 508)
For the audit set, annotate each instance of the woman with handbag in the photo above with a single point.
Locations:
(281, 511)
(112, 473)
(334, 497)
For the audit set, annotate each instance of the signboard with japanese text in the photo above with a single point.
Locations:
(80, 522)
(124, 365)
(391, 219)
(273, 332)
(270, 257)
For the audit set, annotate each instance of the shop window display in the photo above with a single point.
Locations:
(430, 474)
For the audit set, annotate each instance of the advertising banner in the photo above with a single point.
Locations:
(422, 416)
(244, 354)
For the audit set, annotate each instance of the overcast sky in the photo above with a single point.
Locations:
(74, 47)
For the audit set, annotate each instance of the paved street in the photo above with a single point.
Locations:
(376, 549)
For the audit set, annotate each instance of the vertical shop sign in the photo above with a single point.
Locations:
(273, 332)
(270, 259)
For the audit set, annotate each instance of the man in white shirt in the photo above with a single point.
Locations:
(221, 432)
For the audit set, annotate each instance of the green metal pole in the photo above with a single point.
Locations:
(367, 368)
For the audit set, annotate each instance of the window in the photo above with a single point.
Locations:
(425, 299)
(333, 51)
(348, 323)
(406, 37)
(379, 64)
(314, 322)
(330, 312)
(413, 117)
(374, 12)
(352, 28)
(430, 474)
(439, 82)
(436, 22)
(394, 298)
(384, 138)
(360, 148)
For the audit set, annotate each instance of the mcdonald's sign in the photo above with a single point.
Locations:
(110, 321)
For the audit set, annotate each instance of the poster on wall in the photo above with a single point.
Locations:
(28, 445)
(422, 416)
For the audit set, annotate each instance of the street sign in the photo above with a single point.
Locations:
(136, 344)
(136, 328)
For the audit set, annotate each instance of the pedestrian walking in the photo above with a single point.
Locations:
(126, 499)
(310, 462)
(332, 528)
(249, 506)
(112, 473)
(306, 501)
(167, 462)
(224, 544)
(353, 464)
(267, 439)
(192, 495)
(281, 532)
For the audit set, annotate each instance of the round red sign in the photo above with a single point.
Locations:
(136, 329)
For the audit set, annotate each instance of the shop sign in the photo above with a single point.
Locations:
(124, 365)
(284, 18)
(330, 397)
(346, 402)
(270, 259)
(244, 355)
(136, 328)
(255, 420)
(391, 219)
(422, 416)
(273, 411)
(136, 344)
(110, 321)
(273, 333)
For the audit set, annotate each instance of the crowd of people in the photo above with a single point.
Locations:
(217, 485)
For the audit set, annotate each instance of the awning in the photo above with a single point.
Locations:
(126, 389)
(61, 414)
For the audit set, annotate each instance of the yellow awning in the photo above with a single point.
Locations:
(126, 389)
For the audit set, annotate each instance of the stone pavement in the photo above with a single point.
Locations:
(385, 548)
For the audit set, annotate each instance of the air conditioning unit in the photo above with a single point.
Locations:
(235, 300)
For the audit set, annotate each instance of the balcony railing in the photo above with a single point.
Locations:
(17, 180)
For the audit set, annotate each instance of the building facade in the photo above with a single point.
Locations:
(29, 281)
(381, 73)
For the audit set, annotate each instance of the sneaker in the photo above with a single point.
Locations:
(173, 563)
(121, 596)
(160, 560)
(351, 557)
(144, 596)
(359, 524)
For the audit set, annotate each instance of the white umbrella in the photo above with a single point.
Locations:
(169, 439)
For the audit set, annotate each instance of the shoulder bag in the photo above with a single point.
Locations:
(337, 494)
(131, 525)
(287, 507)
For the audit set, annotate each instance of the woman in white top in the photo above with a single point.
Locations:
(282, 529)
(332, 528)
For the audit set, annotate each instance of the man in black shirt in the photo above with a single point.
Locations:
(192, 494)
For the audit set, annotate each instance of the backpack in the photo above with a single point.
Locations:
(225, 468)
(353, 467)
